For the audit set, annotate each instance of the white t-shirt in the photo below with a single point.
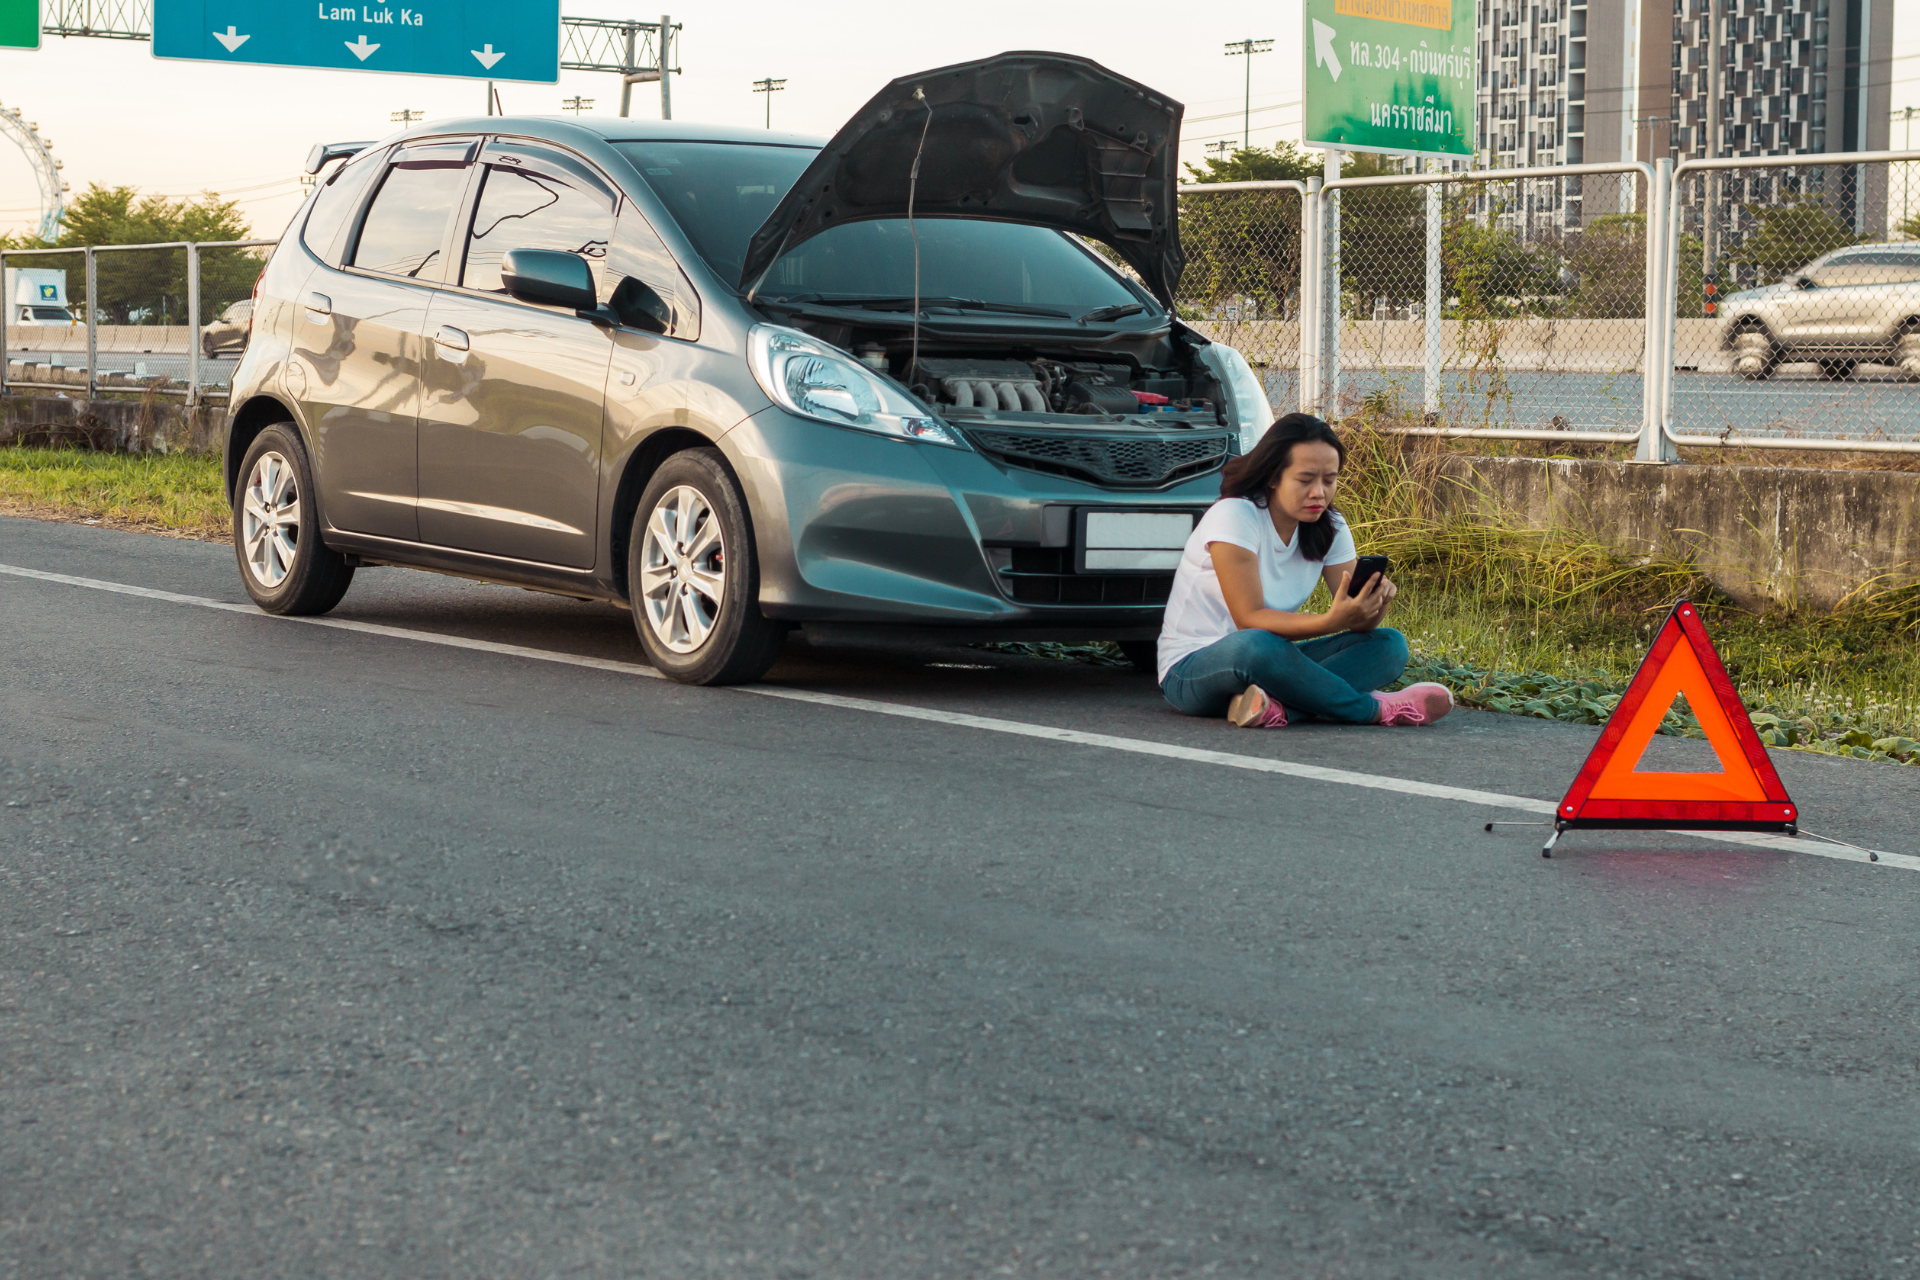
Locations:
(1197, 614)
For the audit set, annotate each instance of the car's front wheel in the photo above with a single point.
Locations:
(276, 529)
(1754, 356)
(693, 578)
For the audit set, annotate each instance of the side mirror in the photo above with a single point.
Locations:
(637, 306)
(550, 277)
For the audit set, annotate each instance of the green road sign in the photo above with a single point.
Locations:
(19, 24)
(1389, 75)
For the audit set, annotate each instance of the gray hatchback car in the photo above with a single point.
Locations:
(924, 377)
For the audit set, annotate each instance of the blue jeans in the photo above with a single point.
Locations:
(1329, 677)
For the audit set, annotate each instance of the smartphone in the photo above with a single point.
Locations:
(1365, 570)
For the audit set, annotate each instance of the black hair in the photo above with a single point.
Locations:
(1253, 475)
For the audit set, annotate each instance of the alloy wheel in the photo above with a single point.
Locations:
(683, 569)
(270, 520)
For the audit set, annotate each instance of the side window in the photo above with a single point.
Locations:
(406, 226)
(522, 208)
(638, 253)
(328, 217)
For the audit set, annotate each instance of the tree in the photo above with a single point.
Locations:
(1787, 237)
(1244, 247)
(1608, 259)
(150, 287)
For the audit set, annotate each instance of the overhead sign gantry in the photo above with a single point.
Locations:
(510, 40)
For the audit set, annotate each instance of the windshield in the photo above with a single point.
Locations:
(51, 313)
(720, 193)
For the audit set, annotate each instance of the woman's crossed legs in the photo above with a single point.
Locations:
(1330, 677)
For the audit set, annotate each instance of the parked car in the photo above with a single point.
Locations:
(1854, 305)
(227, 334)
(680, 367)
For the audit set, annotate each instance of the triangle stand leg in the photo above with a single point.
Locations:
(1546, 850)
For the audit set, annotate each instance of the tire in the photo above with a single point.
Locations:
(1836, 370)
(1906, 354)
(284, 565)
(207, 350)
(1143, 654)
(691, 543)
(1754, 355)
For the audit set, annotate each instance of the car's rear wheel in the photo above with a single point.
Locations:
(1836, 370)
(1754, 356)
(693, 577)
(284, 565)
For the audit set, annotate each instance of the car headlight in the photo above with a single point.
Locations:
(816, 380)
(1248, 410)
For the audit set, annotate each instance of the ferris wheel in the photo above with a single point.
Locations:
(46, 168)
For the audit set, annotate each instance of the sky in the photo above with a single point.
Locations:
(117, 116)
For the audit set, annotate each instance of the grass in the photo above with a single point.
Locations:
(1512, 619)
(176, 493)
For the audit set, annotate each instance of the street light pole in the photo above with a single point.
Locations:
(769, 87)
(1246, 49)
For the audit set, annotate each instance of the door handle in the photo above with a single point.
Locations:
(452, 338)
(319, 305)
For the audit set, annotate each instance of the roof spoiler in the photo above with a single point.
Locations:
(325, 151)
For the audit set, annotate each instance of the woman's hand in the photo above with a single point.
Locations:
(1364, 611)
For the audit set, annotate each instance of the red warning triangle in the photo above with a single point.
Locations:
(1611, 792)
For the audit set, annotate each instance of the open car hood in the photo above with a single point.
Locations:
(1041, 138)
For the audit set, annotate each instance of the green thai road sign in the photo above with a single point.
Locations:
(19, 24)
(1389, 75)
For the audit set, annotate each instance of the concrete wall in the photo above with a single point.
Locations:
(132, 425)
(1529, 344)
(121, 339)
(1765, 535)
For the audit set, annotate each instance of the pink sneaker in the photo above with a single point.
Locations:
(1253, 709)
(1416, 704)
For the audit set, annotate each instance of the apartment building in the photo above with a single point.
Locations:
(1564, 82)
(1559, 84)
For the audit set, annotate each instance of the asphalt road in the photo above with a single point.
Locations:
(337, 952)
(1797, 401)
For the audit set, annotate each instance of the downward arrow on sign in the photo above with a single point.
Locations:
(230, 39)
(361, 49)
(488, 58)
(1323, 54)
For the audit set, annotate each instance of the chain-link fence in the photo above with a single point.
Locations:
(1512, 304)
(1242, 283)
(1796, 302)
(165, 319)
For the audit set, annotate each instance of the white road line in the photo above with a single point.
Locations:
(990, 724)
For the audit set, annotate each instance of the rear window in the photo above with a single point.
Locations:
(719, 192)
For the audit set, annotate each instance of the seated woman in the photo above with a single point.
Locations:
(1234, 640)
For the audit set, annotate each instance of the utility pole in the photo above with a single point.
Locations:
(769, 87)
(577, 104)
(1710, 225)
(407, 117)
(1246, 49)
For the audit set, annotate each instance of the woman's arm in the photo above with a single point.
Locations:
(1239, 572)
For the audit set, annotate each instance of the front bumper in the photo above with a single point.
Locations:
(852, 527)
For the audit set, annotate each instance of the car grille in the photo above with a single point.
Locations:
(1044, 575)
(1136, 460)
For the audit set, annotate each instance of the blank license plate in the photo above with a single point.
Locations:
(1133, 541)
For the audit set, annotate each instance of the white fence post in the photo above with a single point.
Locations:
(1432, 317)
(193, 325)
(1657, 360)
(1310, 282)
(93, 329)
(1329, 352)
